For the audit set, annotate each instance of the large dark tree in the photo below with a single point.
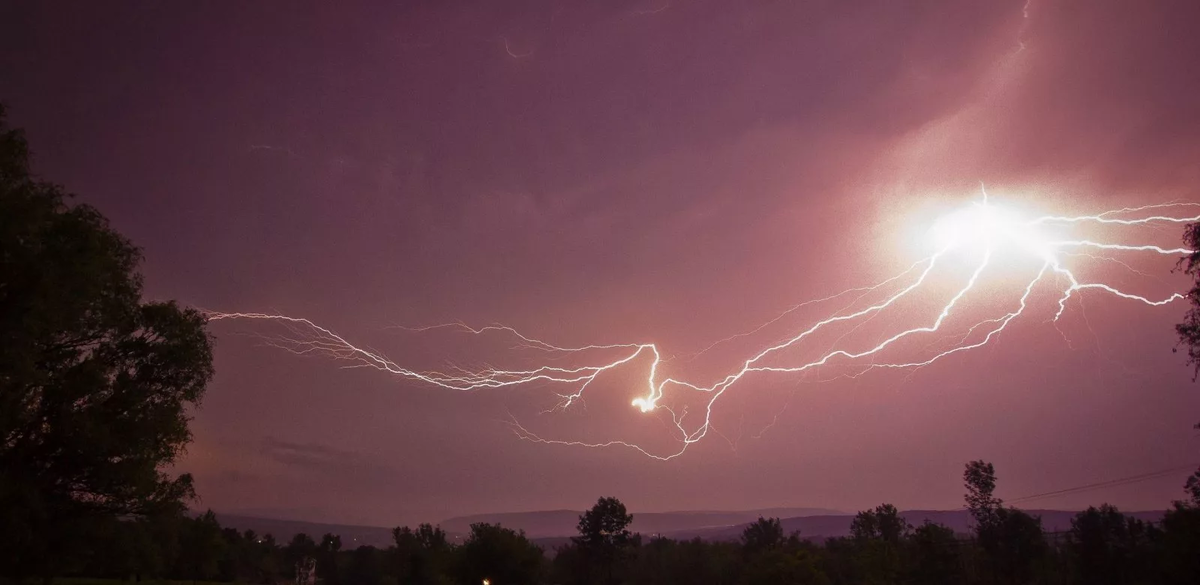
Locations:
(95, 384)
(1189, 329)
(604, 537)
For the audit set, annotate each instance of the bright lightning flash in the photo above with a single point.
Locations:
(983, 232)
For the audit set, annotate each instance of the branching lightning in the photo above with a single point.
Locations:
(983, 233)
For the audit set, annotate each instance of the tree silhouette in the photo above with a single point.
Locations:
(299, 548)
(327, 552)
(1012, 541)
(980, 480)
(94, 384)
(877, 536)
(1192, 487)
(604, 536)
(1189, 329)
(1107, 546)
(935, 556)
(498, 554)
(1178, 560)
(420, 556)
(762, 535)
(883, 523)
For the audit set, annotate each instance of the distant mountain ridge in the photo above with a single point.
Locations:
(833, 526)
(551, 523)
(552, 528)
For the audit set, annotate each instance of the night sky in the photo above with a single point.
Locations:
(672, 171)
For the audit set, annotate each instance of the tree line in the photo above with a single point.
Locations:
(1006, 546)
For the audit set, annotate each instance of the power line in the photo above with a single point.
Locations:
(1104, 484)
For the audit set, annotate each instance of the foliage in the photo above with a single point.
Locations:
(95, 385)
(883, 523)
(1179, 544)
(763, 535)
(1108, 547)
(980, 479)
(935, 558)
(605, 526)
(775, 566)
(498, 554)
(1103, 547)
(1189, 328)
(326, 557)
(603, 540)
(1012, 542)
(421, 556)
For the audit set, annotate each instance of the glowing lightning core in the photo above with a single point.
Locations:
(981, 231)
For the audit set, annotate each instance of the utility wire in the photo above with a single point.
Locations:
(1104, 484)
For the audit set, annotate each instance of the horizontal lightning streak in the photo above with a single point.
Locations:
(981, 225)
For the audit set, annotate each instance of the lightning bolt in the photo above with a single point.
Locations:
(982, 233)
(511, 53)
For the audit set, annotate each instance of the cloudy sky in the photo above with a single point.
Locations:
(666, 171)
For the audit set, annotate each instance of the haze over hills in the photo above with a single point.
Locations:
(553, 523)
(553, 528)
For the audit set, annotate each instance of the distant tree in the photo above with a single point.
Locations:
(365, 567)
(301, 547)
(936, 559)
(715, 563)
(663, 560)
(605, 525)
(267, 560)
(1015, 545)
(500, 555)
(1107, 547)
(604, 537)
(1192, 487)
(762, 535)
(883, 523)
(568, 566)
(1012, 541)
(160, 544)
(420, 556)
(877, 536)
(327, 559)
(980, 480)
(1178, 560)
(201, 547)
(775, 566)
(95, 384)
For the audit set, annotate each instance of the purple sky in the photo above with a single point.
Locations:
(671, 171)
